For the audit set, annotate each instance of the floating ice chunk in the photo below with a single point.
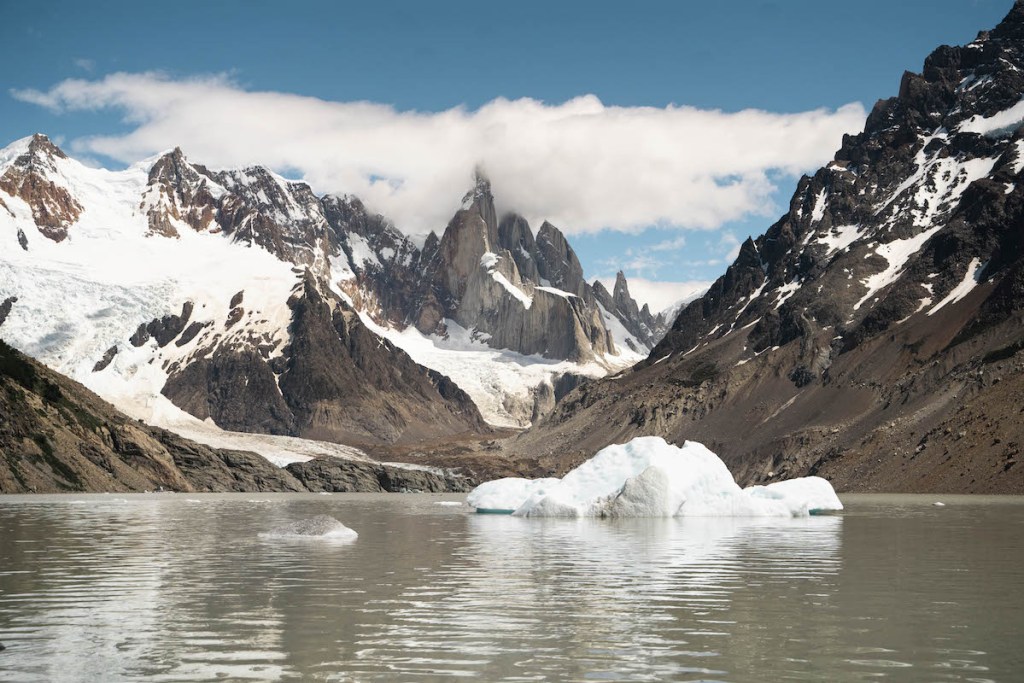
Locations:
(649, 477)
(321, 526)
(449, 503)
(801, 496)
(939, 504)
(505, 495)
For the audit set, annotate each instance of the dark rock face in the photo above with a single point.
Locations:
(557, 262)
(107, 359)
(334, 381)
(164, 330)
(917, 181)
(236, 388)
(871, 335)
(5, 308)
(344, 476)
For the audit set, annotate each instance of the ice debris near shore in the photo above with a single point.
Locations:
(321, 526)
(649, 477)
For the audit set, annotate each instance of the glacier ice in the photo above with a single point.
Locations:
(648, 477)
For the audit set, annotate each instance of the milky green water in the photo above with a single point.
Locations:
(180, 587)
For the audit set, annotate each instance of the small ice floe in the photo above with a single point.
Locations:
(319, 527)
(649, 477)
(449, 503)
(939, 504)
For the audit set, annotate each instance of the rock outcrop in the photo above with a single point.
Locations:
(55, 435)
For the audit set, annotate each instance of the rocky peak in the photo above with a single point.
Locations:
(33, 175)
(647, 329)
(41, 148)
(179, 193)
(251, 205)
(480, 202)
(557, 262)
(1011, 28)
(623, 301)
(515, 236)
(470, 234)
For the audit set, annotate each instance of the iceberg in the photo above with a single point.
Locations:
(649, 477)
(319, 527)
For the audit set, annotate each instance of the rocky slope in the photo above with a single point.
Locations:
(57, 436)
(873, 334)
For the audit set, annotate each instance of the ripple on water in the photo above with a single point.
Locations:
(165, 589)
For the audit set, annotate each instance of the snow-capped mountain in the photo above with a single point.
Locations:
(877, 321)
(242, 299)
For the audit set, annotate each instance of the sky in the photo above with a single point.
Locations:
(657, 135)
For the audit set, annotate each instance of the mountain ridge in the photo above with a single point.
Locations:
(869, 335)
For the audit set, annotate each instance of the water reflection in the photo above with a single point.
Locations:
(173, 588)
(615, 600)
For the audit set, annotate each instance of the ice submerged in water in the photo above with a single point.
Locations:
(321, 526)
(649, 477)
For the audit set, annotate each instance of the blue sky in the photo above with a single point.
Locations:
(784, 58)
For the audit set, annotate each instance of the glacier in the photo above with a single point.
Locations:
(649, 477)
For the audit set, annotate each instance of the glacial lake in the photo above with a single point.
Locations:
(181, 587)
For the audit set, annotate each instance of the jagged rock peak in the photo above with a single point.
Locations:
(1010, 28)
(481, 191)
(31, 153)
(41, 145)
(557, 262)
(515, 235)
(621, 286)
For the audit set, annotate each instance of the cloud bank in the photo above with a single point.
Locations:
(581, 164)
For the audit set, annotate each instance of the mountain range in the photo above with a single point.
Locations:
(211, 301)
(871, 335)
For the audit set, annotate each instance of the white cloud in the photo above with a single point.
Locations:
(660, 295)
(733, 244)
(674, 244)
(580, 164)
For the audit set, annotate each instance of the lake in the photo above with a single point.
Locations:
(181, 587)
